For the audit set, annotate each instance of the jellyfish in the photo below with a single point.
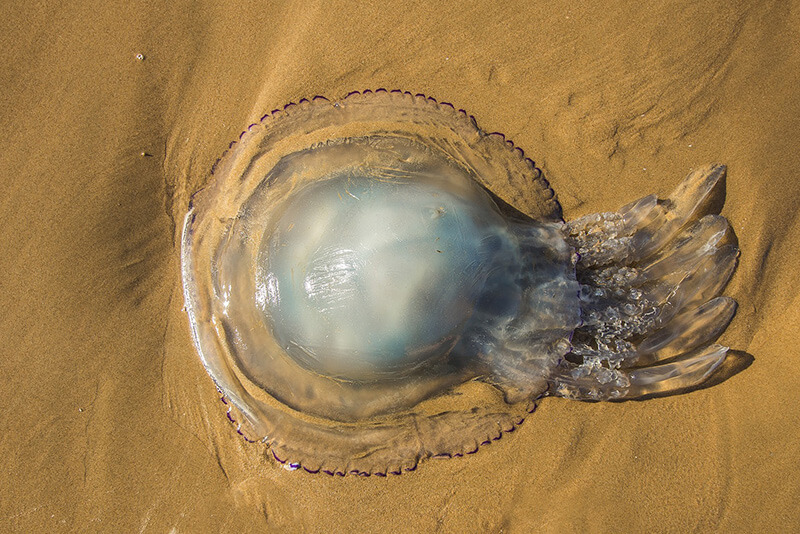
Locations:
(375, 280)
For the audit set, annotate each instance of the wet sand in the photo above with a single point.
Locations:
(111, 423)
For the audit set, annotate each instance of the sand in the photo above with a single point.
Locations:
(110, 422)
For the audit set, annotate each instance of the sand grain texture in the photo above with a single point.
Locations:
(110, 422)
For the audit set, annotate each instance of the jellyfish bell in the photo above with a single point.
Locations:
(355, 275)
(376, 280)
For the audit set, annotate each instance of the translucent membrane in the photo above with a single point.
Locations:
(650, 274)
(348, 278)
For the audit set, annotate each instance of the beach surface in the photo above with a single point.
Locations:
(113, 115)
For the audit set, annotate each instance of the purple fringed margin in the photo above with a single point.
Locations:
(296, 465)
(289, 106)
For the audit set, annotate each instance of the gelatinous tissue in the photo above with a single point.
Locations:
(375, 280)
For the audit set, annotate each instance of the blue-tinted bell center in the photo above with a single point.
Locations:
(365, 274)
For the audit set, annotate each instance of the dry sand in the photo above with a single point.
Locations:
(110, 422)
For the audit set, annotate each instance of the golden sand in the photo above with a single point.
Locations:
(111, 423)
